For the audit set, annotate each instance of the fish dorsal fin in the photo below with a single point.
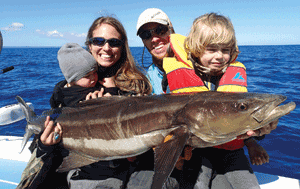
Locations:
(166, 156)
(53, 113)
(101, 101)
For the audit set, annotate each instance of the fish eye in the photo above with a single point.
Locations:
(242, 106)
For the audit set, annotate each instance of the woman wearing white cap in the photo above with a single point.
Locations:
(154, 28)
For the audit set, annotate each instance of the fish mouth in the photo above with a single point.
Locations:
(272, 111)
(280, 111)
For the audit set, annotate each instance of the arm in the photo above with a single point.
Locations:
(48, 140)
(257, 154)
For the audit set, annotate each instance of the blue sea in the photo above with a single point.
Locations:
(270, 69)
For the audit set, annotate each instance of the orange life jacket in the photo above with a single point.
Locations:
(183, 79)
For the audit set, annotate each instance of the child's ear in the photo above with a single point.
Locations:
(234, 54)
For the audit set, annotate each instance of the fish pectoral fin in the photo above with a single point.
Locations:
(75, 160)
(26, 137)
(166, 156)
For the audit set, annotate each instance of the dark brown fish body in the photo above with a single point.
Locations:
(119, 127)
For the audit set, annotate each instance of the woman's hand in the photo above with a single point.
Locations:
(52, 134)
(260, 132)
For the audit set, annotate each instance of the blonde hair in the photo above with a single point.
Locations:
(211, 29)
(128, 77)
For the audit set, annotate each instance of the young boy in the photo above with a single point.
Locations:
(205, 61)
(80, 71)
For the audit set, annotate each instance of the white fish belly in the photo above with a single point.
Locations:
(116, 149)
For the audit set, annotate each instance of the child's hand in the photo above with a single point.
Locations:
(52, 134)
(260, 132)
(95, 94)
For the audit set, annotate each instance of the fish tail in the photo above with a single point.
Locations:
(30, 115)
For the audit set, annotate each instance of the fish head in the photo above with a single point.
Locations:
(223, 115)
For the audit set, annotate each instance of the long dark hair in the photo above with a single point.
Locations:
(128, 77)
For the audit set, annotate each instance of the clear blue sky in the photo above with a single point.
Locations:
(53, 23)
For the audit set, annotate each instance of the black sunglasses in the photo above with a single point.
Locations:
(159, 30)
(100, 41)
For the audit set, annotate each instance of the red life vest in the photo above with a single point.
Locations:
(182, 78)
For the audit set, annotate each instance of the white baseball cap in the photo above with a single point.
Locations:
(152, 15)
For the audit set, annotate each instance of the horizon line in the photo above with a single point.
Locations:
(129, 46)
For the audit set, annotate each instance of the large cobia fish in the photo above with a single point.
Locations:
(119, 127)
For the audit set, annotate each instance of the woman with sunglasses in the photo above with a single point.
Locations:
(107, 42)
(154, 28)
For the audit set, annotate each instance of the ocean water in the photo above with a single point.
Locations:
(270, 69)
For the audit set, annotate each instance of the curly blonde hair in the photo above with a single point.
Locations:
(128, 77)
(211, 29)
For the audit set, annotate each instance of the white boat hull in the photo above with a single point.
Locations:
(12, 113)
(12, 164)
